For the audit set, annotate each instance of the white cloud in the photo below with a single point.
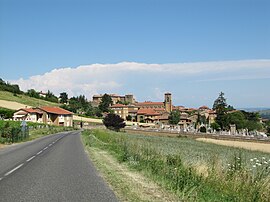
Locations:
(100, 78)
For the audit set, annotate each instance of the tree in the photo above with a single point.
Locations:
(114, 122)
(105, 103)
(237, 118)
(32, 93)
(129, 117)
(63, 97)
(174, 117)
(51, 97)
(220, 105)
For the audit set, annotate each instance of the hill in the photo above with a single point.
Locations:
(24, 100)
(265, 114)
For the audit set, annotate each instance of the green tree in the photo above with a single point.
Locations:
(32, 93)
(114, 122)
(174, 117)
(129, 117)
(63, 97)
(51, 97)
(106, 102)
(237, 118)
(220, 106)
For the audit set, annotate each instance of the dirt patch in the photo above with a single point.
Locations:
(12, 105)
(2, 146)
(255, 146)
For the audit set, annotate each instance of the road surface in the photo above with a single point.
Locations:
(52, 168)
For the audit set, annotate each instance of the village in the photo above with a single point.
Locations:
(140, 115)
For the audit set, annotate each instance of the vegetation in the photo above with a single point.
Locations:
(226, 115)
(195, 171)
(11, 131)
(6, 113)
(174, 117)
(114, 122)
(13, 88)
(26, 100)
(48, 97)
(106, 102)
(63, 98)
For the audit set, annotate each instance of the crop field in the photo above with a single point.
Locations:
(194, 170)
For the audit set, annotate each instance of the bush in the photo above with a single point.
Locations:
(114, 122)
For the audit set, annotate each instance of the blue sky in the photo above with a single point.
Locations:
(38, 37)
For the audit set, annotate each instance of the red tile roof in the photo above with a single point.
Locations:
(204, 107)
(149, 103)
(30, 110)
(149, 112)
(55, 110)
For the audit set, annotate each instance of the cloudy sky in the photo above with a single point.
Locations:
(193, 49)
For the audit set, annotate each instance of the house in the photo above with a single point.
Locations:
(56, 116)
(28, 114)
(121, 110)
(47, 115)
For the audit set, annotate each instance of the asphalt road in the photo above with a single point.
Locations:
(52, 168)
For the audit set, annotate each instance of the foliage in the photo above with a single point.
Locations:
(51, 97)
(220, 106)
(129, 117)
(63, 97)
(215, 126)
(106, 102)
(33, 93)
(114, 122)
(237, 118)
(174, 117)
(13, 88)
(6, 113)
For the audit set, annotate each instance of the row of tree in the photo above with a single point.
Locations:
(13, 88)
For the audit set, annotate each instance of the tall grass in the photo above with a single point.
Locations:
(228, 177)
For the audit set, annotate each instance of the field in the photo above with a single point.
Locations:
(20, 101)
(255, 146)
(193, 170)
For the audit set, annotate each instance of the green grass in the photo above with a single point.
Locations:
(23, 99)
(174, 162)
(36, 130)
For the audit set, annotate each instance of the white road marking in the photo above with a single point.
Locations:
(30, 158)
(45, 148)
(50, 145)
(39, 152)
(8, 173)
(1, 178)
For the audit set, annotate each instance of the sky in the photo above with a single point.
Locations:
(192, 48)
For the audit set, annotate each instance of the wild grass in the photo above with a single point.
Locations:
(34, 130)
(228, 175)
(23, 99)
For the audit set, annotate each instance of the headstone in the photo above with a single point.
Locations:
(233, 129)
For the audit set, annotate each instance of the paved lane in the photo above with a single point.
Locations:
(53, 168)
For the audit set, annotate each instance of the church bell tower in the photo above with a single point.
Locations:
(168, 102)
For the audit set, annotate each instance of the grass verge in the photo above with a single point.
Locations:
(128, 184)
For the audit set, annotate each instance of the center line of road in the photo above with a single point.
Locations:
(30, 158)
(14, 169)
(45, 148)
(39, 152)
(50, 145)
